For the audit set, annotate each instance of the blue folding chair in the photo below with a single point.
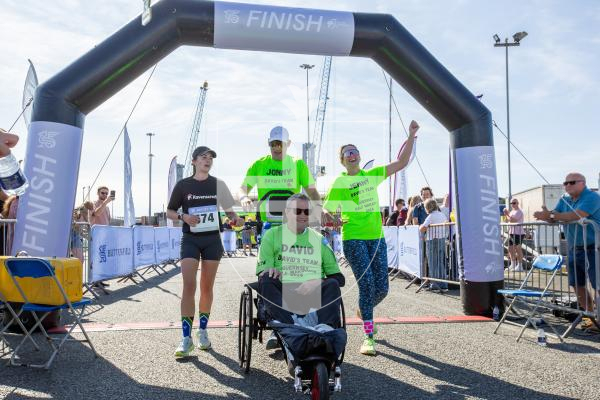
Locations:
(5, 347)
(544, 262)
(29, 267)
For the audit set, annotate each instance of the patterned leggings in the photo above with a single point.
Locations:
(368, 260)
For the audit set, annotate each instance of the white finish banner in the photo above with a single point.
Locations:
(229, 241)
(410, 250)
(45, 210)
(143, 246)
(175, 234)
(391, 240)
(111, 252)
(162, 244)
(283, 29)
(478, 213)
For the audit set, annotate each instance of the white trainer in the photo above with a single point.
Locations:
(203, 340)
(185, 347)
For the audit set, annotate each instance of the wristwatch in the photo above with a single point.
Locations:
(180, 217)
(552, 216)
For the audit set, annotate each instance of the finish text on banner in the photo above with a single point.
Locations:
(111, 252)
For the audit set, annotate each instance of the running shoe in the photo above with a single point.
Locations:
(368, 347)
(185, 347)
(203, 340)
(272, 342)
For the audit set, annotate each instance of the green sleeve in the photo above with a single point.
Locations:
(334, 197)
(266, 255)
(251, 177)
(329, 262)
(378, 173)
(305, 177)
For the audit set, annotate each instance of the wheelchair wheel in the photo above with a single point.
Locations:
(319, 388)
(343, 326)
(245, 327)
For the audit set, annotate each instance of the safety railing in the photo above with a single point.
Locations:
(573, 291)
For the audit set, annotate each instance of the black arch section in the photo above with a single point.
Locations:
(93, 78)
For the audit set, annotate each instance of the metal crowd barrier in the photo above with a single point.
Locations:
(530, 239)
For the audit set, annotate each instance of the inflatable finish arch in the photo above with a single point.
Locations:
(61, 104)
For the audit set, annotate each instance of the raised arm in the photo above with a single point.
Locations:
(406, 152)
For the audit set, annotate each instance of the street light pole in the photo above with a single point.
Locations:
(517, 37)
(150, 155)
(307, 67)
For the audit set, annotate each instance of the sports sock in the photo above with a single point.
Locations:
(186, 326)
(203, 319)
(368, 328)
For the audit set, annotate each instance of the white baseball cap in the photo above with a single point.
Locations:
(279, 133)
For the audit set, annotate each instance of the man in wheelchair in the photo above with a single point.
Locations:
(299, 278)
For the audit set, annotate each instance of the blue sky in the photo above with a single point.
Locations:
(554, 83)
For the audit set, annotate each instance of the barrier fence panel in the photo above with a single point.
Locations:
(391, 241)
(7, 230)
(410, 251)
(175, 234)
(111, 253)
(161, 240)
(144, 250)
(229, 241)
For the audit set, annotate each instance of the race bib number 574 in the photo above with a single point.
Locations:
(209, 219)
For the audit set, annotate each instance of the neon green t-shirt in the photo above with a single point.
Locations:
(357, 197)
(299, 257)
(276, 181)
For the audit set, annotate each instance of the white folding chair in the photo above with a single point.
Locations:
(544, 262)
(37, 268)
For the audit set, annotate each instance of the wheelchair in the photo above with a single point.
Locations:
(317, 374)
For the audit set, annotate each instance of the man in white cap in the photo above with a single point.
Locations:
(277, 177)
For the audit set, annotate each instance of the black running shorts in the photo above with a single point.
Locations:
(202, 247)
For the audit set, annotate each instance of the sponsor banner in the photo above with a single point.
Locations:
(143, 246)
(283, 29)
(478, 213)
(229, 241)
(111, 252)
(409, 250)
(175, 243)
(162, 244)
(391, 240)
(45, 210)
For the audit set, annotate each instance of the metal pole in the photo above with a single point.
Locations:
(307, 67)
(150, 155)
(390, 148)
(508, 129)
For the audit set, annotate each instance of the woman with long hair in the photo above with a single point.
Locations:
(355, 193)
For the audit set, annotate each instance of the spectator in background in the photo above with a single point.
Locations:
(412, 203)
(435, 244)
(247, 239)
(101, 214)
(9, 211)
(445, 208)
(516, 233)
(419, 213)
(398, 217)
(579, 202)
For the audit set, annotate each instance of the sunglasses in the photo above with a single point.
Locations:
(104, 193)
(299, 211)
(350, 153)
(567, 183)
(514, 203)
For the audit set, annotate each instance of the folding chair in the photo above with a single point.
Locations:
(27, 267)
(5, 347)
(544, 262)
